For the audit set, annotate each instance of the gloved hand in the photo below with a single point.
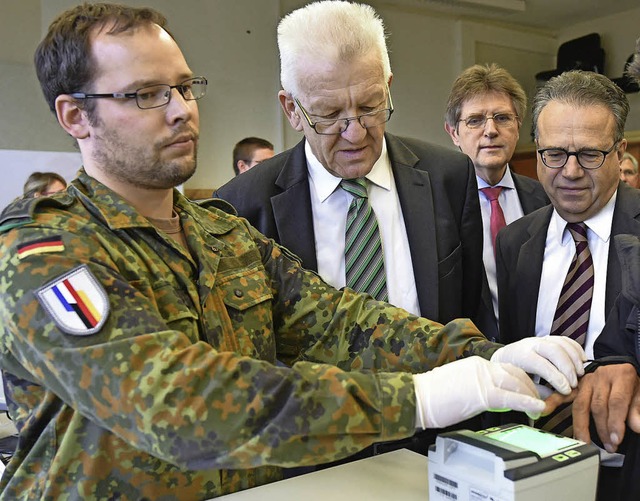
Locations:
(557, 359)
(462, 389)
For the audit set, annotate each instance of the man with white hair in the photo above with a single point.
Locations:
(336, 80)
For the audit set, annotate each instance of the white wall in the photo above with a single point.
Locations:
(233, 43)
(522, 52)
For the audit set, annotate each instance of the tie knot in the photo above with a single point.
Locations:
(357, 187)
(578, 231)
(492, 193)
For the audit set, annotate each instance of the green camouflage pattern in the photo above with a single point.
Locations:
(178, 395)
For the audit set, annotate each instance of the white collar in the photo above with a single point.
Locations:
(600, 224)
(326, 183)
(505, 182)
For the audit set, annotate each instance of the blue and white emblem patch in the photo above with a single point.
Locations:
(76, 302)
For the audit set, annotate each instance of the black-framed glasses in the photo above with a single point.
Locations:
(499, 120)
(334, 126)
(557, 158)
(155, 96)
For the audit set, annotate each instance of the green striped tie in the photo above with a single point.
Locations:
(364, 261)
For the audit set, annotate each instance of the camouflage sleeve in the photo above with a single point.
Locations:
(352, 331)
(167, 393)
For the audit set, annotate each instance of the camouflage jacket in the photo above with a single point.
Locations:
(136, 369)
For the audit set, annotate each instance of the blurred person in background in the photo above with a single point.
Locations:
(249, 152)
(40, 184)
(629, 170)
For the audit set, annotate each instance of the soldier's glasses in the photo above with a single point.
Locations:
(155, 96)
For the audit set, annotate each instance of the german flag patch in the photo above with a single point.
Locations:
(40, 246)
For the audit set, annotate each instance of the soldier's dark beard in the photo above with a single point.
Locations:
(140, 165)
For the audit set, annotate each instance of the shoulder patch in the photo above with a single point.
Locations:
(40, 246)
(76, 302)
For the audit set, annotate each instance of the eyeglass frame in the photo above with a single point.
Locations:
(134, 95)
(348, 120)
(576, 154)
(514, 116)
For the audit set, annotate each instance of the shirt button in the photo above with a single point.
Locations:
(215, 249)
(238, 293)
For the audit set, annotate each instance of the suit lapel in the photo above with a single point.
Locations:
(529, 272)
(292, 208)
(416, 201)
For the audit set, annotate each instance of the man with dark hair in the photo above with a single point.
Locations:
(609, 394)
(578, 119)
(249, 152)
(484, 113)
(140, 330)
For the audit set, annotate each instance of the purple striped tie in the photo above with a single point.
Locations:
(572, 316)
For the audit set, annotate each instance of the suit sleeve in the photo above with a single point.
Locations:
(619, 336)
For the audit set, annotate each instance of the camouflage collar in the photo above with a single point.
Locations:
(106, 203)
(114, 210)
(212, 214)
(119, 214)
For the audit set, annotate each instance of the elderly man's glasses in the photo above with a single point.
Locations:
(499, 120)
(556, 158)
(156, 96)
(336, 126)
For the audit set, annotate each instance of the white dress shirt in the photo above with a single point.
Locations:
(558, 253)
(512, 210)
(330, 204)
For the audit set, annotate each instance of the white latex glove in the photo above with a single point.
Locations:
(462, 389)
(557, 359)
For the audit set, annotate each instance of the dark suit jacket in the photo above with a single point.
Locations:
(438, 195)
(530, 192)
(620, 338)
(519, 255)
(621, 333)
(532, 196)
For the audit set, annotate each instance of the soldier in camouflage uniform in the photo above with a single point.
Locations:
(141, 330)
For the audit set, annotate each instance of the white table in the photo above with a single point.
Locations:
(398, 475)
